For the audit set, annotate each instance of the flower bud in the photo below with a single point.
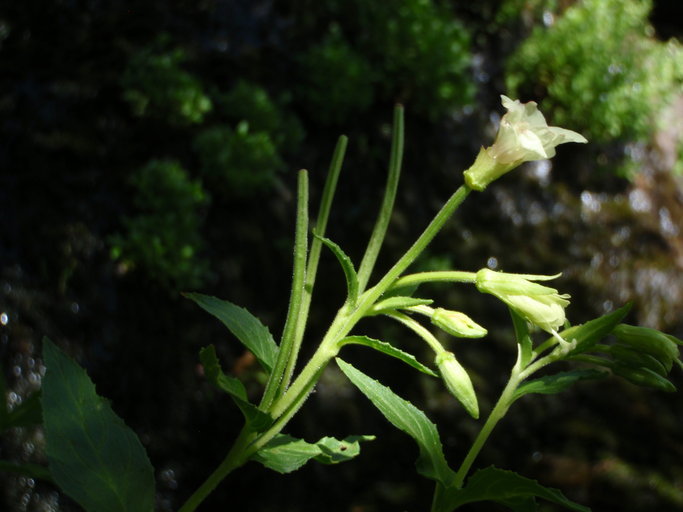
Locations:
(457, 324)
(458, 382)
(643, 377)
(541, 305)
(523, 136)
(649, 341)
(630, 357)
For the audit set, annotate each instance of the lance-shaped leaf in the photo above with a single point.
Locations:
(522, 337)
(245, 326)
(505, 487)
(589, 334)
(346, 265)
(93, 456)
(257, 419)
(551, 384)
(285, 454)
(407, 418)
(390, 350)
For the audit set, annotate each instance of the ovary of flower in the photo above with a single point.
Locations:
(523, 136)
(541, 305)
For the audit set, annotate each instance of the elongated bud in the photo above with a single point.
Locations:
(649, 341)
(643, 377)
(458, 382)
(630, 357)
(457, 324)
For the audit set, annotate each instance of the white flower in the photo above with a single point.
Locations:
(541, 305)
(523, 136)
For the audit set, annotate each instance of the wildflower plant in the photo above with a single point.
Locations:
(79, 424)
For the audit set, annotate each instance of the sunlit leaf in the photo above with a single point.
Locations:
(388, 349)
(407, 418)
(590, 333)
(245, 326)
(285, 454)
(346, 264)
(93, 456)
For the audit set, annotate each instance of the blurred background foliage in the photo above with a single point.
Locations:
(150, 148)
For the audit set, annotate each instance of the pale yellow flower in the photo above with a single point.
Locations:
(541, 305)
(523, 136)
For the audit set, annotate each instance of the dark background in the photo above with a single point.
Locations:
(148, 148)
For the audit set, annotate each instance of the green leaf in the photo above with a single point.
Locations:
(346, 264)
(29, 470)
(257, 419)
(388, 349)
(245, 326)
(522, 337)
(334, 451)
(93, 456)
(551, 384)
(285, 454)
(400, 302)
(589, 334)
(25, 415)
(407, 418)
(506, 487)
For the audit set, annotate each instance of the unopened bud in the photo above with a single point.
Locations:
(457, 324)
(458, 382)
(650, 341)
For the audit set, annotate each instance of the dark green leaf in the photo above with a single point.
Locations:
(29, 470)
(257, 419)
(507, 487)
(245, 326)
(93, 456)
(590, 333)
(285, 454)
(551, 384)
(407, 418)
(346, 264)
(388, 349)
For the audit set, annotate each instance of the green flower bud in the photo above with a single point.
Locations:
(630, 357)
(643, 377)
(523, 136)
(649, 341)
(541, 305)
(458, 382)
(457, 324)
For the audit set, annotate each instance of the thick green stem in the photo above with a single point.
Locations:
(441, 276)
(314, 255)
(380, 229)
(286, 354)
(236, 457)
(498, 412)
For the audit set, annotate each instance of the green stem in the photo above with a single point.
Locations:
(314, 255)
(287, 355)
(236, 457)
(498, 412)
(441, 276)
(380, 229)
(418, 329)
